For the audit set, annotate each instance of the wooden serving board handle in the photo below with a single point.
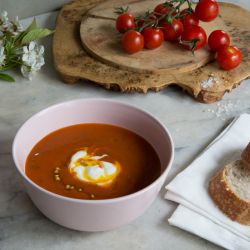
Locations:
(73, 62)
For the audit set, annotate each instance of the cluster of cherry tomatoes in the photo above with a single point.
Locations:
(168, 22)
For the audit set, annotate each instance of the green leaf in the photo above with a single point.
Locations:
(20, 36)
(35, 34)
(32, 26)
(6, 77)
(121, 10)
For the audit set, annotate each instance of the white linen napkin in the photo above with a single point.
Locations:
(197, 212)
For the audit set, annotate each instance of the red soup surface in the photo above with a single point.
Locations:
(93, 161)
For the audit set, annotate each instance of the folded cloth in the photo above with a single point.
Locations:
(195, 223)
(197, 212)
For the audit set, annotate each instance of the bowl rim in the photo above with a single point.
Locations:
(101, 201)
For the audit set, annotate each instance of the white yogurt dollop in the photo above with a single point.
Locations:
(90, 168)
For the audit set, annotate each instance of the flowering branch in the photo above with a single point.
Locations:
(18, 47)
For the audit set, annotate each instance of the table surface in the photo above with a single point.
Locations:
(192, 125)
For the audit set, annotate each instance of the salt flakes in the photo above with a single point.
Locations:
(205, 84)
(223, 109)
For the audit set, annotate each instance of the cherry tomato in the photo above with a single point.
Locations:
(229, 57)
(132, 41)
(207, 10)
(161, 9)
(172, 31)
(125, 22)
(190, 34)
(188, 17)
(153, 37)
(218, 39)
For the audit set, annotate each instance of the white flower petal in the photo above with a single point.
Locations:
(4, 14)
(24, 57)
(4, 17)
(1, 50)
(25, 49)
(2, 56)
(41, 50)
(17, 22)
(41, 61)
(33, 56)
(32, 45)
(26, 72)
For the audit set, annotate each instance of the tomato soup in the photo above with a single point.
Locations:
(93, 161)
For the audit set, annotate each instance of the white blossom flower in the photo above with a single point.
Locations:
(4, 20)
(2, 56)
(15, 27)
(32, 59)
(27, 72)
(33, 55)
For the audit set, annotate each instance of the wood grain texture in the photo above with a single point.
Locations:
(101, 39)
(73, 62)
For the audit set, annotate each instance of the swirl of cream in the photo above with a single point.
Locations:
(90, 168)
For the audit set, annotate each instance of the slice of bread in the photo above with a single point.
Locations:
(245, 156)
(230, 190)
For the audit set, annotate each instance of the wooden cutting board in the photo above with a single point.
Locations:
(206, 84)
(100, 38)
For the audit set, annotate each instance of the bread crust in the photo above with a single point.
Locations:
(228, 201)
(245, 156)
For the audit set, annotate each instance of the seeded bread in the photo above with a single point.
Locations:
(246, 155)
(230, 190)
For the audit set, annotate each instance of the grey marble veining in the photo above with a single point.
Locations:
(192, 126)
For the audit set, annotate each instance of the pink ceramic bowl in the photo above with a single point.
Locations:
(93, 215)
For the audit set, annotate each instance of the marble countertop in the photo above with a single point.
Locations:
(193, 126)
